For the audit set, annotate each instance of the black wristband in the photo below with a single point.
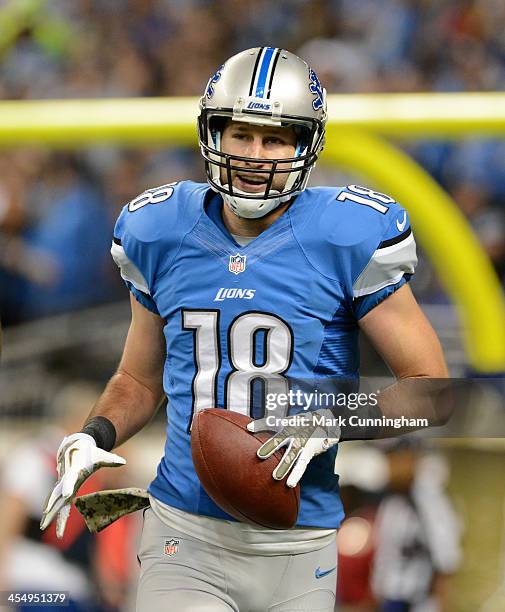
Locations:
(102, 431)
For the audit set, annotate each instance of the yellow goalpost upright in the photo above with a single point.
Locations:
(357, 129)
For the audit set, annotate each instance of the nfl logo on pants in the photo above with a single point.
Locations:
(171, 547)
(237, 263)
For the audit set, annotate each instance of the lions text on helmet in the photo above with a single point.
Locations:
(261, 129)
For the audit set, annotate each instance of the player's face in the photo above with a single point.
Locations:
(261, 142)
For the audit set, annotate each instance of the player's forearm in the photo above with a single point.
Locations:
(409, 404)
(128, 403)
(416, 397)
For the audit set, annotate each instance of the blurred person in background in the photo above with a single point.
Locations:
(70, 225)
(95, 569)
(417, 533)
(20, 263)
(363, 478)
(486, 218)
(55, 229)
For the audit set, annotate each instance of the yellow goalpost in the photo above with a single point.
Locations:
(357, 127)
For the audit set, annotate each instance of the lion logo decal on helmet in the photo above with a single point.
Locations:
(316, 89)
(213, 79)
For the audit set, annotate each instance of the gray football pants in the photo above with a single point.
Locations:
(181, 574)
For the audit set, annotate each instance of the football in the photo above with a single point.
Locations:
(224, 455)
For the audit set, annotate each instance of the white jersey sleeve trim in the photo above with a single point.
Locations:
(129, 271)
(386, 267)
(368, 290)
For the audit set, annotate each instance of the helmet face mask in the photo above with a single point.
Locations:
(300, 164)
(287, 84)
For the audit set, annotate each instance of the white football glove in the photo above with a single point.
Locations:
(303, 441)
(78, 457)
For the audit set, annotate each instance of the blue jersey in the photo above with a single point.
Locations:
(287, 304)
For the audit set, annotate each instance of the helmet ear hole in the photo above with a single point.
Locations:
(216, 127)
(303, 138)
(217, 123)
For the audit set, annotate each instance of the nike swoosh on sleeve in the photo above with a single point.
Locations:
(401, 226)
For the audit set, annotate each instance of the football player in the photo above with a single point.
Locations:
(249, 277)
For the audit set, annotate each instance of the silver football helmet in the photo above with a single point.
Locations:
(262, 86)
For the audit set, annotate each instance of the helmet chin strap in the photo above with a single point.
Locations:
(253, 208)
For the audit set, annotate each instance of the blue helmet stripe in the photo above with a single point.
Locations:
(263, 71)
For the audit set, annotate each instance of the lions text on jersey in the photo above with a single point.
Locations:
(287, 304)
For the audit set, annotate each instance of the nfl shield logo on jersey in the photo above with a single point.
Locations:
(237, 263)
(171, 547)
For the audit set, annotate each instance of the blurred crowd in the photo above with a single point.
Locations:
(57, 209)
